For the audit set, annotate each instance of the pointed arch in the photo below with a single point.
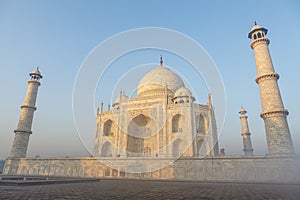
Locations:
(138, 130)
(178, 148)
(108, 127)
(141, 120)
(259, 35)
(106, 150)
(201, 149)
(177, 123)
(201, 124)
(254, 36)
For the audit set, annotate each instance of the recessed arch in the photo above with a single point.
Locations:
(108, 128)
(177, 123)
(178, 148)
(255, 37)
(201, 149)
(141, 120)
(106, 150)
(139, 128)
(259, 35)
(201, 124)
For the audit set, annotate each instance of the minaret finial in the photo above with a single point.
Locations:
(209, 99)
(37, 68)
(161, 60)
(101, 106)
(255, 23)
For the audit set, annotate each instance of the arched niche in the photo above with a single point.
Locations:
(139, 128)
(178, 148)
(201, 124)
(106, 150)
(177, 123)
(201, 149)
(108, 128)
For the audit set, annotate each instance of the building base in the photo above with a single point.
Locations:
(275, 169)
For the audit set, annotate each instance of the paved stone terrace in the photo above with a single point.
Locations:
(136, 189)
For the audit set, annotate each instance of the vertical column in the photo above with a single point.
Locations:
(212, 129)
(275, 116)
(248, 150)
(23, 131)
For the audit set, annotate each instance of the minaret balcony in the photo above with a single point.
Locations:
(266, 76)
(259, 41)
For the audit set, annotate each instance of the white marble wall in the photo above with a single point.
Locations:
(241, 169)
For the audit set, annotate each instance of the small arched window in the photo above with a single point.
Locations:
(201, 124)
(107, 172)
(147, 151)
(106, 150)
(259, 35)
(107, 129)
(254, 37)
(177, 123)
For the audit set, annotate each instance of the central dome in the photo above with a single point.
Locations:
(157, 79)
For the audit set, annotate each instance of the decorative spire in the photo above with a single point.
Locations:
(101, 106)
(255, 23)
(161, 60)
(209, 99)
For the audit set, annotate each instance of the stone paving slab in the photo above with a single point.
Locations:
(19, 180)
(142, 189)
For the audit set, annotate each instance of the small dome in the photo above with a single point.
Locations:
(36, 72)
(256, 27)
(158, 78)
(181, 92)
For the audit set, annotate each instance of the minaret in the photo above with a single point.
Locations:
(248, 150)
(23, 131)
(275, 116)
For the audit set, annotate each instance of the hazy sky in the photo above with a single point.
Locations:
(57, 36)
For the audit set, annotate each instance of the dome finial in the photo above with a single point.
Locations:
(161, 60)
(255, 23)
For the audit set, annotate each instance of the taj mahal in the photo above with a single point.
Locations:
(163, 133)
(162, 121)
